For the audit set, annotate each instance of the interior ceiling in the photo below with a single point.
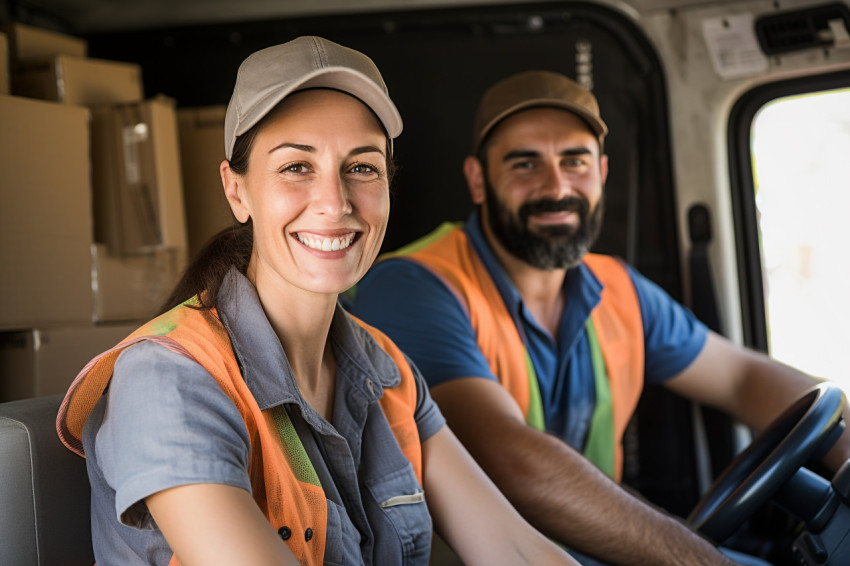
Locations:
(109, 15)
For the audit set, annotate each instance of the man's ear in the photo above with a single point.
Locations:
(474, 173)
(234, 188)
(603, 167)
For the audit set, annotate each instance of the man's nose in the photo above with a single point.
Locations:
(556, 183)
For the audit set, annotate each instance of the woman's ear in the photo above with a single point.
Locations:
(474, 173)
(234, 191)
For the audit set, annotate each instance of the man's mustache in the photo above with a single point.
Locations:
(566, 204)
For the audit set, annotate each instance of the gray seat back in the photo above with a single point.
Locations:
(44, 489)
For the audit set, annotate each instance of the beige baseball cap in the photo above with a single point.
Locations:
(532, 89)
(268, 76)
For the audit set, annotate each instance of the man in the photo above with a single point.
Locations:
(537, 351)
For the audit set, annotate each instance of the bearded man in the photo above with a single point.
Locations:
(537, 351)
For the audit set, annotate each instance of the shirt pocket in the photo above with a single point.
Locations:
(342, 544)
(402, 501)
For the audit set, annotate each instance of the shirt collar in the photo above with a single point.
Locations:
(581, 286)
(362, 365)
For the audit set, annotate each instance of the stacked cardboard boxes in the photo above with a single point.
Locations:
(45, 214)
(77, 80)
(28, 42)
(92, 222)
(201, 153)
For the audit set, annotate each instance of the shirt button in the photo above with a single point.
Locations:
(284, 533)
(308, 534)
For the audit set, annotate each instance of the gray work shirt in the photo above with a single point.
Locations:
(165, 422)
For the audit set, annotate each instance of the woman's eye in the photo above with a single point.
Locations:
(295, 168)
(362, 168)
(365, 170)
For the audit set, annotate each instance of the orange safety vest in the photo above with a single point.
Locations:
(616, 320)
(283, 491)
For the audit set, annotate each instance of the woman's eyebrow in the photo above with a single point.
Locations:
(365, 149)
(311, 149)
(299, 146)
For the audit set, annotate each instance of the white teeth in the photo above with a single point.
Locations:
(326, 244)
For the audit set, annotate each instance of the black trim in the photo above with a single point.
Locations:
(751, 284)
(808, 28)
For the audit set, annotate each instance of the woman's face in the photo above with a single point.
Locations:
(317, 191)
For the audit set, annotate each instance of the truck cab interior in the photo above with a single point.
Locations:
(682, 85)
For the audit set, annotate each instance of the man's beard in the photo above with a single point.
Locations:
(549, 247)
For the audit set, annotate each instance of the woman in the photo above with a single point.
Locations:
(314, 439)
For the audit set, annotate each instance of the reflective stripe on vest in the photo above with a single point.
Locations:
(615, 323)
(284, 483)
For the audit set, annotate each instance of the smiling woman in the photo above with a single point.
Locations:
(320, 207)
(255, 421)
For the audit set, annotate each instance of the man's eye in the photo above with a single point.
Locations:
(523, 165)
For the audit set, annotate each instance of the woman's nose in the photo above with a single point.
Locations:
(332, 197)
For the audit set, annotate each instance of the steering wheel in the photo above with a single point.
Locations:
(806, 430)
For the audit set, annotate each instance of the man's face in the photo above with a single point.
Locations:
(543, 187)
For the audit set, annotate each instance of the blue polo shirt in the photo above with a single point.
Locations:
(423, 316)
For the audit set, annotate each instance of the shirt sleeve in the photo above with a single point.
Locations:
(673, 336)
(167, 423)
(429, 419)
(423, 317)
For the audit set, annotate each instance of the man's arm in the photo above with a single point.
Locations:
(557, 490)
(751, 387)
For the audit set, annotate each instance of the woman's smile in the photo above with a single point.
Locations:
(327, 243)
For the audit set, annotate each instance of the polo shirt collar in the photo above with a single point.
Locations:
(580, 285)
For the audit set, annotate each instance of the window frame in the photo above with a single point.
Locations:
(742, 187)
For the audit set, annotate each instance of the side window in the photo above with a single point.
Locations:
(800, 191)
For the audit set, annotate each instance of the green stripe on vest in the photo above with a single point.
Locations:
(293, 449)
(425, 240)
(415, 246)
(535, 403)
(600, 439)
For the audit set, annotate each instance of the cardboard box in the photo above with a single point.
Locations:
(4, 64)
(28, 41)
(45, 214)
(138, 188)
(44, 361)
(132, 288)
(78, 80)
(201, 153)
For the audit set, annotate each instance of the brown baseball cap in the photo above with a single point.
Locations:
(268, 76)
(533, 89)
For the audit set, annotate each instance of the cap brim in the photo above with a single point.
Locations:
(597, 126)
(340, 78)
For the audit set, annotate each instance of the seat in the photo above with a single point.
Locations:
(44, 490)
